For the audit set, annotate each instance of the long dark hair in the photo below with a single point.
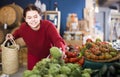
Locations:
(31, 7)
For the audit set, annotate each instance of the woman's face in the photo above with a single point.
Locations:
(33, 19)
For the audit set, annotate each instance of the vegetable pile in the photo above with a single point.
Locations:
(74, 57)
(56, 67)
(99, 50)
(112, 70)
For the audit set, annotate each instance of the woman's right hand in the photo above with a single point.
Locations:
(9, 36)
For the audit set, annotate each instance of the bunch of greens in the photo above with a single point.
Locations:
(56, 67)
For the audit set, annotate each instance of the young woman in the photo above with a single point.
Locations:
(39, 35)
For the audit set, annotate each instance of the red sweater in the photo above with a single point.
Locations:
(39, 42)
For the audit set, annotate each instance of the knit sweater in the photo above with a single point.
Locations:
(39, 42)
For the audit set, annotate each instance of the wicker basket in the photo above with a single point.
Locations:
(10, 58)
(108, 60)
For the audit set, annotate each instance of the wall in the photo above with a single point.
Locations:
(65, 6)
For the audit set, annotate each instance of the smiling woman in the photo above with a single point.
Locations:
(39, 35)
(33, 19)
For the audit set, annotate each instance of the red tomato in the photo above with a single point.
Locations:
(89, 40)
(71, 54)
(73, 60)
(66, 60)
(81, 61)
(104, 42)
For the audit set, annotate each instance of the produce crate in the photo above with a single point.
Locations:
(107, 60)
(96, 64)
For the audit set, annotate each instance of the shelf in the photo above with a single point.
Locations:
(57, 16)
(74, 42)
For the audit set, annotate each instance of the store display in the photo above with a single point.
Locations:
(53, 16)
(111, 70)
(72, 22)
(87, 55)
(56, 67)
(73, 37)
(100, 51)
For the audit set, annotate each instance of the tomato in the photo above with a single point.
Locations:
(68, 54)
(81, 61)
(104, 42)
(66, 60)
(71, 54)
(89, 40)
(73, 60)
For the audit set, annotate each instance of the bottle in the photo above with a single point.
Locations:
(43, 7)
(8, 43)
(56, 6)
(5, 26)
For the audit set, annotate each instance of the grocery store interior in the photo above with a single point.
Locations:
(94, 24)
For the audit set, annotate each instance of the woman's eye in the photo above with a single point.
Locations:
(28, 17)
(35, 16)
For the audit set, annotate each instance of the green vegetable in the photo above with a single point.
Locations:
(116, 65)
(54, 65)
(61, 75)
(36, 71)
(85, 75)
(98, 40)
(54, 60)
(76, 72)
(87, 70)
(104, 69)
(108, 74)
(65, 70)
(72, 66)
(53, 70)
(112, 69)
(43, 71)
(27, 73)
(113, 53)
(42, 63)
(49, 75)
(55, 52)
(112, 49)
(88, 45)
(81, 52)
(34, 75)
(95, 73)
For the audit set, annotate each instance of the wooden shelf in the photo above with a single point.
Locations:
(74, 42)
(57, 15)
